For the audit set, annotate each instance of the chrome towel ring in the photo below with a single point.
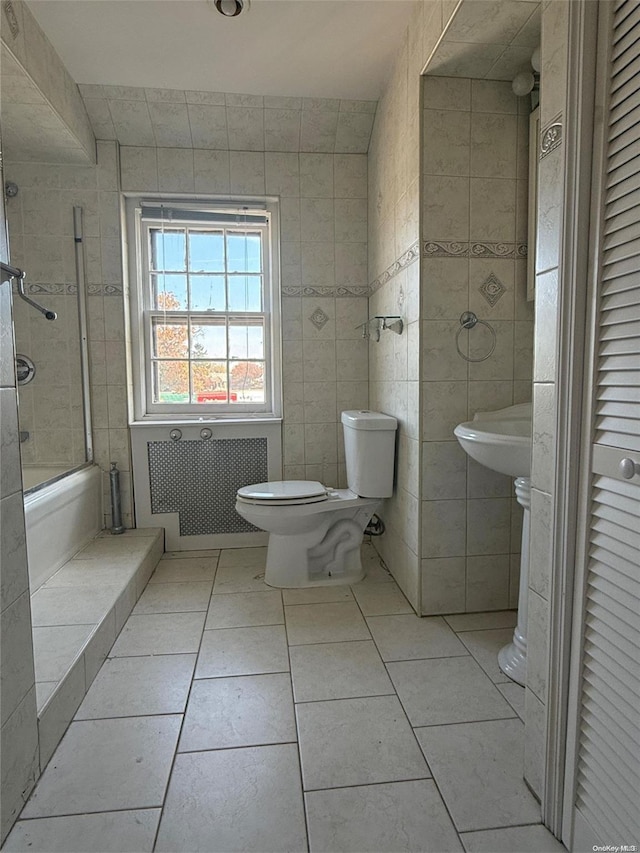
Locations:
(469, 320)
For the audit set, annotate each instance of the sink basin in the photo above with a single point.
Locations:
(500, 440)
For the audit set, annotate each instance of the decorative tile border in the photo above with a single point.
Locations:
(551, 136)
(498, 250)
(340, 290)
(14, 27)
(406, 259)
(105, 290)
(72, 289)
(49, 289)
(440, 249)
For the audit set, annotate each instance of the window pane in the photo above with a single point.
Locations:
(245, 293)
(209, 382)
(209, 338)
(170, 381)
(169, 338)
(206, 251)
(247, 382)
(207, 293)
(246, 339)
(244, 251)
(168, 249)
(169, 292)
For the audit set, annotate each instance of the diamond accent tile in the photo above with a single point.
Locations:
(492, 289)
(319, 318)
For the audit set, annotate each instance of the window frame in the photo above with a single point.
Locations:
(142, 312)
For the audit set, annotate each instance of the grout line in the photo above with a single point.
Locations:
(502, 826)
(466, 722)
(241, 674)
(89, 814)
(298, 742)
(329, 642)
(422, 752)
(237, 746)
(371, 784)
(344, 698)
(435, 657)
(244, 627)
(175, 754)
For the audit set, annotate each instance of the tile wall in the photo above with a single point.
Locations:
(323, 205)
(19, 732)
(48, 117)
(551, 168)
(324, 278)
(474, 235)
(41, 234)
(394, 231)
(173, 118)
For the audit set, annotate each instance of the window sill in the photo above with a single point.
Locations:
(200, 420)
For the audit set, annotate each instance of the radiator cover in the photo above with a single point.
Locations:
(199, 480)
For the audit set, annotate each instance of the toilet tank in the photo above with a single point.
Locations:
(369, 446)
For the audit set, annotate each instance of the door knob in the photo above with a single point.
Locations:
(628, 468)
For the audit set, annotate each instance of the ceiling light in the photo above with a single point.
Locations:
(535, 59)
(229, 8)
(523, 83)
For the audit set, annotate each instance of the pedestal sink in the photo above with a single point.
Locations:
(501, 441)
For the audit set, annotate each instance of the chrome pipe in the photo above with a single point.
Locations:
(11, 272)
(78, 238)
(116, 506)
(20, 275)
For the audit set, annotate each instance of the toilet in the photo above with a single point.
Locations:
(315, 532)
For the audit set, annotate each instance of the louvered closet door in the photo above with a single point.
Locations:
(608, 770)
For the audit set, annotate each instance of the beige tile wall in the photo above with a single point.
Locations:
(555, 40)
(394, 277)
(474, 233)
(19, 722)
(323, 198)
(41, 234)
(324, 232)
(173, 118)
(24, 38)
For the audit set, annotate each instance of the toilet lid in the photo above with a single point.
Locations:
(284, 491)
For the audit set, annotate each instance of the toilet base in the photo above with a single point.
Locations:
(326, 556)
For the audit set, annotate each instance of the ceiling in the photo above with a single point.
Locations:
(488, 39)
(310, 48)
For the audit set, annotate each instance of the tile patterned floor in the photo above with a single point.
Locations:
(232, 717)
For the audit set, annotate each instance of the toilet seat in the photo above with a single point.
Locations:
(283, 493)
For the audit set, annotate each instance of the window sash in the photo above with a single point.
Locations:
(191, 317)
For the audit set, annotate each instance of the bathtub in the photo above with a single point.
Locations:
(60, 518)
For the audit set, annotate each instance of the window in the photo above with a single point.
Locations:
(208, 309)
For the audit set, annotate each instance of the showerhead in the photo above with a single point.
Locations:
(10, 189)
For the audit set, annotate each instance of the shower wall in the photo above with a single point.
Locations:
(474, 234)
(41, 236)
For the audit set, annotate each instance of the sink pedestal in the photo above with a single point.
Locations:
(512, 659)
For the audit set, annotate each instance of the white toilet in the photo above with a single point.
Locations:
(315, 532)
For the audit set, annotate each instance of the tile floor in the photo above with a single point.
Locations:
(233, 717)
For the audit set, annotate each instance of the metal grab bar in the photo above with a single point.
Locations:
(20, 275)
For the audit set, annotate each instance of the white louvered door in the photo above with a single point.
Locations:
(607, 782)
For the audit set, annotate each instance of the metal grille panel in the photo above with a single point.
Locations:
(199, 481)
